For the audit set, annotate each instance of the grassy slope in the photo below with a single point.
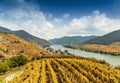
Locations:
(115, 44)
(11, 45)
(32, 39)
(26, 36)
(113, 49)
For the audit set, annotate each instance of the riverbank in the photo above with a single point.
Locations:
(113, 60)
(112, 50)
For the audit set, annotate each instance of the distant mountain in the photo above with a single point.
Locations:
(74, 40)
(28, 37)
(2, 29)
(106, 39)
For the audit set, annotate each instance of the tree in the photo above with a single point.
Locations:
(66, 51)
(17, 61)
(4, 67)
(117, 67)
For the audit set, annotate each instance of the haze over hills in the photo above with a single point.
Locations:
(106, 39)
(28, 37)
(75, 40)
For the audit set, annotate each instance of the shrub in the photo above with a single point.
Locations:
(17, 61)
(66, 51)
(117, 67)
(4, 67)
(102, 61)
(1, 56)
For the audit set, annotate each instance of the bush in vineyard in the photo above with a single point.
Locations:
(17, 61)
(4, 67)
(117, 67)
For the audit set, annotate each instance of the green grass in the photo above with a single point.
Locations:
(2, 78)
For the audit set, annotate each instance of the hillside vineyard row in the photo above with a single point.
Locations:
(67, 70)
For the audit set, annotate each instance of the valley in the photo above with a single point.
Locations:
(111, 59)
(59, 41)
(57, 63)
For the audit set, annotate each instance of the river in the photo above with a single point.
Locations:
(113, 60)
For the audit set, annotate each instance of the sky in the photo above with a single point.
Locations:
(50, 19)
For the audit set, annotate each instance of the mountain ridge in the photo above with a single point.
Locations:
(106, 39)
(78, 40)
(27, 36)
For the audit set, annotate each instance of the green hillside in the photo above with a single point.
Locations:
(106, 39)
(73, 40)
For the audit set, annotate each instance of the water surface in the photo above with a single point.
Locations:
(113, 60)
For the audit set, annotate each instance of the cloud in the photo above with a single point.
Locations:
(31, 19)
(96, 12)
(58, 20)
(27, 18)
(94, 24)
(66, 15)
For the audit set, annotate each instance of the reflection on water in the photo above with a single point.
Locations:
(113, 60)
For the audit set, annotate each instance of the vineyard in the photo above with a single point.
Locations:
(67, 70)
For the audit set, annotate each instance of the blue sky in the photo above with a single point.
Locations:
(56, 18)
(75, 7)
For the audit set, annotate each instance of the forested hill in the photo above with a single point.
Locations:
(32, 39)
(106, 39)
(74, 40)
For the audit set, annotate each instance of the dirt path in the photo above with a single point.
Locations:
(11, 76)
